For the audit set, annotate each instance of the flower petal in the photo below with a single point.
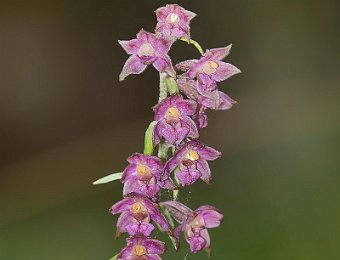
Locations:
(211, 216)
(156, 137)
(188, 176)
(204, 168)
(177, 233)
(124, 219)
(186, 65)
(133, 65)
(163, 64)
(224, 71)
(208, 153)
(169, 134)
(156, 215)
(196, 243)
(187, 107)
(154, 257)
(220, 53)
(190, 14)
(178, 211)
(190, 124)
(122, 205)
(129, 172)
(167, 184)
(153, 246)
(226, 102)
(131, 46)
(188, 87)
(143, 228)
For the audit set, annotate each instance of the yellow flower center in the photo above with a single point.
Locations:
(193, 155)
(146, 49)
(136, 208)
(141, 169)
(139, 250)
(209, 67)
(173, 18)
(174, 112)
(213, 64)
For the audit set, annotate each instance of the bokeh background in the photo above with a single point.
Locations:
(65, 120)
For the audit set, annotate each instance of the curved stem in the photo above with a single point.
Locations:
(193, 42)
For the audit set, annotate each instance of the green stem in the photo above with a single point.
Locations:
(163, 91)
(165, 85)
(193, 42)
(163, 151)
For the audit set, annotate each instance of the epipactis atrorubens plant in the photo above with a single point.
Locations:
(186, 91)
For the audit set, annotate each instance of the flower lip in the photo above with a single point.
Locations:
(139, 250)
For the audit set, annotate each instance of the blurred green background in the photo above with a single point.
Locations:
(66, 121)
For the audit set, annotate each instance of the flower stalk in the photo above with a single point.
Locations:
(195, 43)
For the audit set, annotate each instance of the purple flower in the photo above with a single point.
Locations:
(199, 82)
(191, 160)
(173, 21)
(194, 224)
(143, 175)
(209, 68)
(201, 117)
(136, 214)
(142, 248)
(173, 120)
(206, 95)
(146, 49)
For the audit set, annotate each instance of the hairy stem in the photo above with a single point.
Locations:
(163, 93)
(163, 90)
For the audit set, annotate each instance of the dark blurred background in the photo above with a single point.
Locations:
(66, 121)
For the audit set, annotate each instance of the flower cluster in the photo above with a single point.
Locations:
(187, 90)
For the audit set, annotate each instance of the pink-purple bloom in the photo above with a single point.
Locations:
(142, 248)
(143, 176)
(136, 213)
(190, 162)
(174, 123)
(209, 68)
(145, 50)
(194, 224)
(199, 82)
(205, 95)
(173, 21)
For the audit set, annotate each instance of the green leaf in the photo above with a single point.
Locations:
(109, 178)
(173, 241)
(172, 86)
(171, 221)
(168, 216)
(148, 144)
(175, 194)
(114, 257)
